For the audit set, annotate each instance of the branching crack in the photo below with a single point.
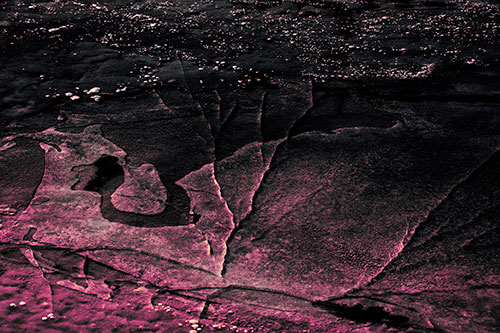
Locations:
(265, 174)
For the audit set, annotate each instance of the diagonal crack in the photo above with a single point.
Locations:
(29, 254)
(198, 105)
(233, 226)
(279, 143)
(411, 233)
(219, 291)
(48, 246)
(338, 310)
(11, 143)
(121, 122)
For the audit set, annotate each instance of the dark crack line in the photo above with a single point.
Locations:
(481, 213)
(165, 107)
(190, 90)
(87, 261)
(257, 191)
(48, 246)
(453, 190)
(220, 290)
(117, 122)
(465, 241)
(42, 274)
(437, 291)
(210, 300)
(372, 299)
(287, 214)
(171, 261)
(28, 237)
(198, 105)
(51, 248)
(202, 191)
(163, 291)
(261, 112)
(218, 111)
(463, 181)
(206, 307)
(35, 189)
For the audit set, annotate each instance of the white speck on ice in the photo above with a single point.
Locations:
(57, 29)
(94, 90)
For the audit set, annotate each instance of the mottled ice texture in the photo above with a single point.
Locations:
(320, 218)
(142, 191)
(213, 217)
(70, 218)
